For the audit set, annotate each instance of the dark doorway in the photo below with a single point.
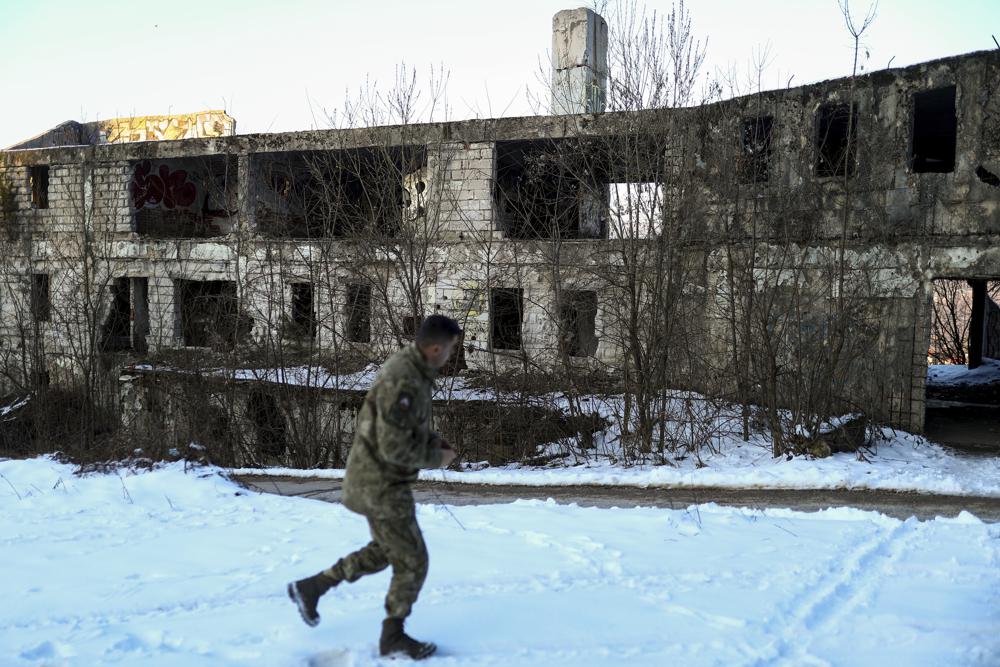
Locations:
(41, 305)
(578, 315)
(963, 375)
(117, 335)
(358, 311)
(269, 424)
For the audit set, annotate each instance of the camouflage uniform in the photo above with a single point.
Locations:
(392, 442)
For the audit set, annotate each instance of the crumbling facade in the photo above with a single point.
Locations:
(342, 239)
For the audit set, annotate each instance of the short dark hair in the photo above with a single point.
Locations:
(437, 329)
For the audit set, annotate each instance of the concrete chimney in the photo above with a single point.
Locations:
(579, 62)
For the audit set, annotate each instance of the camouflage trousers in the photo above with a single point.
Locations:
(396, 542)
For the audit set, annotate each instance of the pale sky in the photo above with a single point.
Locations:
(267, 63)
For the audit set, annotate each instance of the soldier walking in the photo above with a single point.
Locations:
(392, 441)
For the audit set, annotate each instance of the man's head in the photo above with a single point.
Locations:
(437, 338)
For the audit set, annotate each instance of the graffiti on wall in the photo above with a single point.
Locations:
(182, 198)
(167, 128)
(162, 187)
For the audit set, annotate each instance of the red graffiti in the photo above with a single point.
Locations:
(171, 189)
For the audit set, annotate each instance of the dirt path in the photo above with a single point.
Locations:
(900, 505)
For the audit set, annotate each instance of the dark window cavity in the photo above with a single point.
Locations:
(340, 193)
(537, 190)
(836, 140)
(755, 144)
(38, 177)
(208, 315)
(934, 131)
(40, 302)
(506, 308)
(303, 310)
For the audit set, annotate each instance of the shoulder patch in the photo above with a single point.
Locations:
(399, 404)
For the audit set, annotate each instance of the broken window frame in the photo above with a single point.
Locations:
(340, 193)
(536, 194)
(836, 159)
(505, 304)
(38, 185)
(630, 172)
(635, 210)
(933, 150)
(756, 138)
(545, 189)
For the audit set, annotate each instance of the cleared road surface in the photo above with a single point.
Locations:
(895, 504)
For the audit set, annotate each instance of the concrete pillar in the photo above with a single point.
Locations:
(977, 323)
(246, 201)
(140, 314)
(991, 340)
(579, 62)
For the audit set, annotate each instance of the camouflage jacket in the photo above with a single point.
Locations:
(392, 438)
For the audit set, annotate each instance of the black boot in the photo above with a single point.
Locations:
(396, 643)
(305, 593)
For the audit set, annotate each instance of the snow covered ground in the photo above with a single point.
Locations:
(168, 568)
(903, 462)
(957, 375)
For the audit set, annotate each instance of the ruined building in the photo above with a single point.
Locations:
(143, 236)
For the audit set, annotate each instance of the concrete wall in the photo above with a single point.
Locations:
(138, 128)
(991, 341)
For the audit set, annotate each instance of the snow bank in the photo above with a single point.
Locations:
(904, 462)
(956, 375)
(166, 568)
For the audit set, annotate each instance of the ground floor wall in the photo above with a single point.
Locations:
(887, 289)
